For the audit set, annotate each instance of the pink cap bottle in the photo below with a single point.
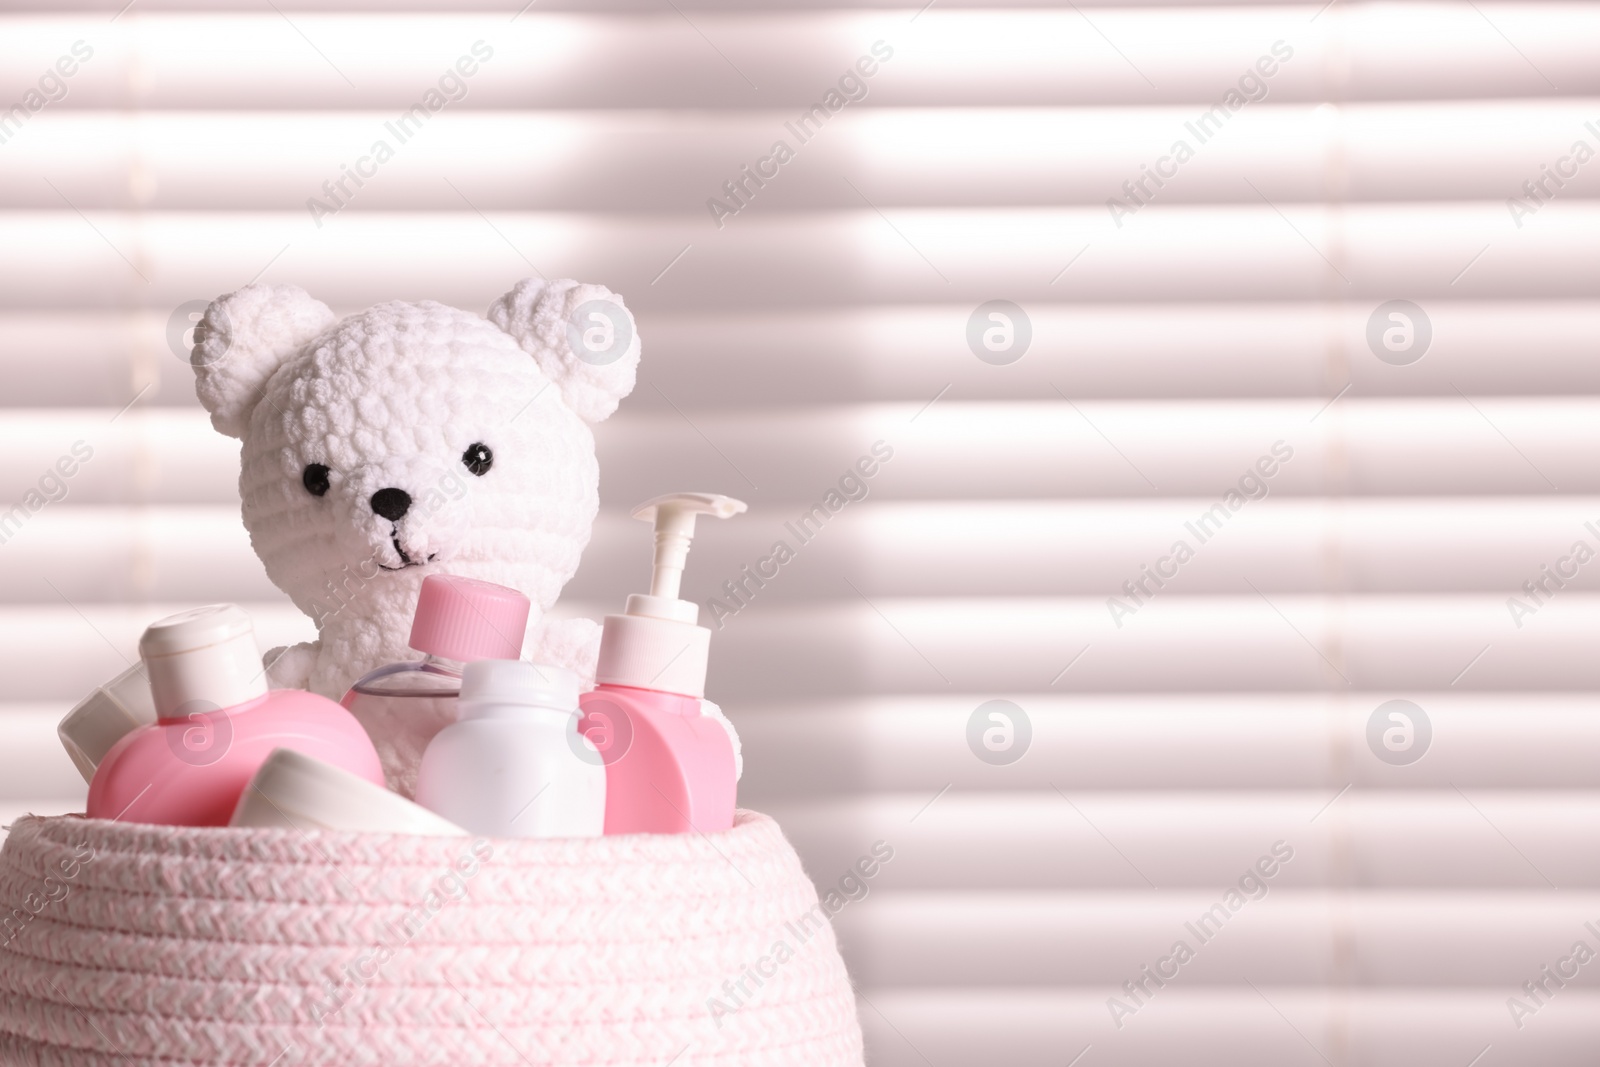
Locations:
(457, 621)
(216, 723)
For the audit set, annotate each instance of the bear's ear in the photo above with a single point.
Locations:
(581, 336)
(242, 338)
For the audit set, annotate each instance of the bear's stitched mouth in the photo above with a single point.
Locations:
(405, 560)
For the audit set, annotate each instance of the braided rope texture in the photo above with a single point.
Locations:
(136, 946)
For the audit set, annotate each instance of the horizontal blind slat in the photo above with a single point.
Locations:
(1066, 839)
(1268, 1026)
(908, 157)
(1357, 939)
(841, 355)
(660, 59)
(1165, 744)
(1236, 253)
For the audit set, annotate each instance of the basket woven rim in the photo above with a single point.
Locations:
(752, 833)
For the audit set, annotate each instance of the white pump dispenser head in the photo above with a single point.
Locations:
(658, 644)
(674, 518)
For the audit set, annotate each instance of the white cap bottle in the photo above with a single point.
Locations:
(515, 764)
(216, 723)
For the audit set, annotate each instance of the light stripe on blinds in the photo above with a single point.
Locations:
(910, 155)
(1230, 252)
(1169, 353)
(655, 58)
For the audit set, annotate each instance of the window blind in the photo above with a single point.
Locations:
(1203, 221)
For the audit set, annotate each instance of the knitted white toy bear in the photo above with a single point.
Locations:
(410, 439)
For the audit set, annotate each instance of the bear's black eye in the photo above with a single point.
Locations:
(315, 479)
(478, 458)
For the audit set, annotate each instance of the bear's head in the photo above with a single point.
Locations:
(409, 439)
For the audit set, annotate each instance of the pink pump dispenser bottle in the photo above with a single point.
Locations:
(216, 724)
(670, 766)
(457, 621)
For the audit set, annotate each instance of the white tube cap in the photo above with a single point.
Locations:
(202, 657)
(105, 716)
(293, 791)
(517, 682)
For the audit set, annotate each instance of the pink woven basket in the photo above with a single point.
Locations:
(130, 944)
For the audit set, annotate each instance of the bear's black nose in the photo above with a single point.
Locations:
(392, 504)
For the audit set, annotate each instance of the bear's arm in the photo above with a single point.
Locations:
(289, 666)
(715, 711)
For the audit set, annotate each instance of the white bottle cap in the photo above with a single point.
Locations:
(105, 716)
(487, 682)
(293, 791)
(202, 657)
(656, 644)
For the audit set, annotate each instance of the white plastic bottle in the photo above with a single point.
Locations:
(403, 705)
(515, 765)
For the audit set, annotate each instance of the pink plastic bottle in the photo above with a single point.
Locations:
(669, 765)
(216, 724)
(403, 705)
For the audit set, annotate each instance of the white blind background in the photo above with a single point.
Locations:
(1167, 355)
